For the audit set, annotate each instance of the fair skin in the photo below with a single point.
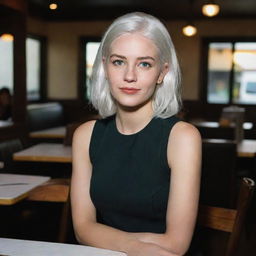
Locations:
(134, 70)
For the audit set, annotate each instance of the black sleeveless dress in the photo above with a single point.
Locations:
(131, 177)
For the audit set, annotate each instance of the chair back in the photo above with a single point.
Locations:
(218, 183)
(229, 220)
(56, 191)
(227, 133)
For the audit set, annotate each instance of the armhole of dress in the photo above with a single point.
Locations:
(93, 141)
(167, 132)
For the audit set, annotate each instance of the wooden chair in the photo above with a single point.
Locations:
(55, 190)
(218, 182)
(229, 220)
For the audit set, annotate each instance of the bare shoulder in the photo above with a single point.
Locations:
(184, 134)
(184, 143)
(84, 131)
(185, 131)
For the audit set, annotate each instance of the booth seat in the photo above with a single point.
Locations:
(44, 116)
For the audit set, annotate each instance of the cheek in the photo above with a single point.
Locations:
(150, 79)
(113, 80)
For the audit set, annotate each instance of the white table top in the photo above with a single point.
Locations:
(15, 247)
(5, 123)
(14, 187)
(55, 133)
(211, 124)
(45, 152)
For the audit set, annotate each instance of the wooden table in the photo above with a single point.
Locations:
(45, 152)
(52, 133)
(15, 187)
(16, 247)
(246, 148)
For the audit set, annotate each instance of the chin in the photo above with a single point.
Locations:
(133, 106)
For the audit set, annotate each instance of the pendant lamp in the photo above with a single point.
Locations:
(210, 9)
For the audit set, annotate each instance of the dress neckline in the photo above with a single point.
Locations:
(132, 134)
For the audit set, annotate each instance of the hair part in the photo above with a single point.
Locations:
(167, 100)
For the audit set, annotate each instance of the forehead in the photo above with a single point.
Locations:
(133, 43)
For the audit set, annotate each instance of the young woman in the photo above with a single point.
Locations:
(136, 171)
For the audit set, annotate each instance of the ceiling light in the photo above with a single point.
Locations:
(189, 30)
(7, 37)
(53, 6)
(210, 9)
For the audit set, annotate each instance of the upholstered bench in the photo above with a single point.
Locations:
(44, 115)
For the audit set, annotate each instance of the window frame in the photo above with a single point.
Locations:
(205, 42)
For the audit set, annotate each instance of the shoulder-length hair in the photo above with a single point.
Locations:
(166, 101)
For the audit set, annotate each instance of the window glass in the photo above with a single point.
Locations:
(244, 86)
(6, 64)
(91, 49)
(219, 67)
(33, 60)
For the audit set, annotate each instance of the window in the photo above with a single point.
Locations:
(89, 50)
(6, 64)
(231, 72)
(33, 59)
(34, 68)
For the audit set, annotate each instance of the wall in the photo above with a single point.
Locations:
(63, 46)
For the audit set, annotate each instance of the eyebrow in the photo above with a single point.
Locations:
(139, 58)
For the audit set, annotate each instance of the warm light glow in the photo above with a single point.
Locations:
(53, 6)
(210, 10)
(7, 37)
(189, 30)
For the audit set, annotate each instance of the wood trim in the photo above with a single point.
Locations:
(46, 136)
(20, 5)
(13, 200)
(57, 159)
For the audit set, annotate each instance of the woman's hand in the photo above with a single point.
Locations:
(137, 248)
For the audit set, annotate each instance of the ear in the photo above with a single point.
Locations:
(164, 71)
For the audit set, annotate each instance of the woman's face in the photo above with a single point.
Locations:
(133, 70)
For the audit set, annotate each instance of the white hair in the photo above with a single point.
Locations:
(166, 101)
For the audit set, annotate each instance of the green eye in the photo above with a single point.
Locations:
(118, 62)
(145, 64)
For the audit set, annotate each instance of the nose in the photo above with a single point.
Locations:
(130, 74)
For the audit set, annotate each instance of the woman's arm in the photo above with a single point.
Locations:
(87, 230)
(184, 158)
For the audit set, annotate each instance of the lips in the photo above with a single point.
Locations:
(129, 90)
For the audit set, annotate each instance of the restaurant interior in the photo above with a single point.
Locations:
(47, 49)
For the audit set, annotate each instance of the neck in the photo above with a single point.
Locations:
(131, 121)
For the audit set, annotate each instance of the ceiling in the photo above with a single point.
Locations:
(69, 10)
